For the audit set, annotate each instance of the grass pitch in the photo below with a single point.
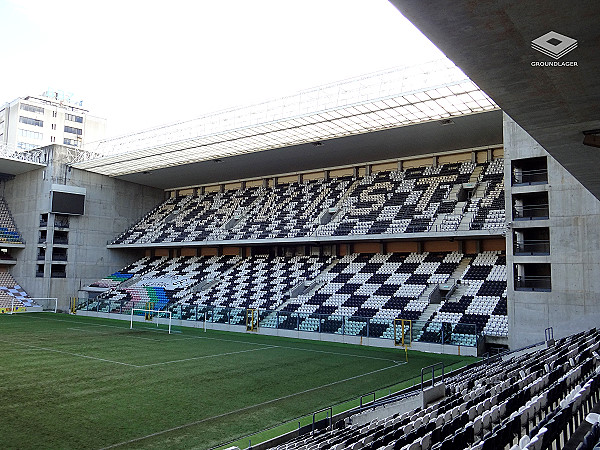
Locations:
(82, 382)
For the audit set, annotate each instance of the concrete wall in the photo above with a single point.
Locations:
(111, 206)
(574, 221)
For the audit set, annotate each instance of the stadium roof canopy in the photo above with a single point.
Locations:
(386, 100)
(15, 162)
(555, 99)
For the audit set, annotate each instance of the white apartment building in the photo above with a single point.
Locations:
(51, 118)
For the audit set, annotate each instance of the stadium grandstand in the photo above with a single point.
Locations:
(447, 210)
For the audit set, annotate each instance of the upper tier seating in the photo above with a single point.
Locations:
(532, 400)
(8, 230)
(389, 202)
(397, 202)
(190, 218)
(288, 211)
(490, 209)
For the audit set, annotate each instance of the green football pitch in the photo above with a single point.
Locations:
(82, 382)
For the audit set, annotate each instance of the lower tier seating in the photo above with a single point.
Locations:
(481, 307)
(152, 283)
(261, 282)
(358, 294)
(374, 289)
(533, 399)
(12, 295)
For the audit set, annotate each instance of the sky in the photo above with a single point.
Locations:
(142, 64)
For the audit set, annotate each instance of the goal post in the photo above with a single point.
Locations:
(251, 319)
(403, 332)
(151, 315)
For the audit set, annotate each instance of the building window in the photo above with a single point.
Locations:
(533, 277)
(531, 206)
(73, 118)
(54, 126)
(529, 171)
(26, 146)
(54, 114)
(73, 142)
(30, 121)
(73, 130)
(30, 134)
(52, 139)
(31, 108)
(58, 271)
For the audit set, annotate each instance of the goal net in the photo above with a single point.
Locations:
(150, 318)
(47, 303)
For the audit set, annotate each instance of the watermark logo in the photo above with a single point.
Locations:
(554, 44)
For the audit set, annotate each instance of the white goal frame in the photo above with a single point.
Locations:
(153, 311)
(50, 299)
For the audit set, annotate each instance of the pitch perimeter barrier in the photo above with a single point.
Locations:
(467, 335)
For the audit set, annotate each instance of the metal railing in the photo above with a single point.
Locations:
(531, 247)
(534, 283)
(61, 223)
(433, 368)
(539, 211)
(535, 176)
